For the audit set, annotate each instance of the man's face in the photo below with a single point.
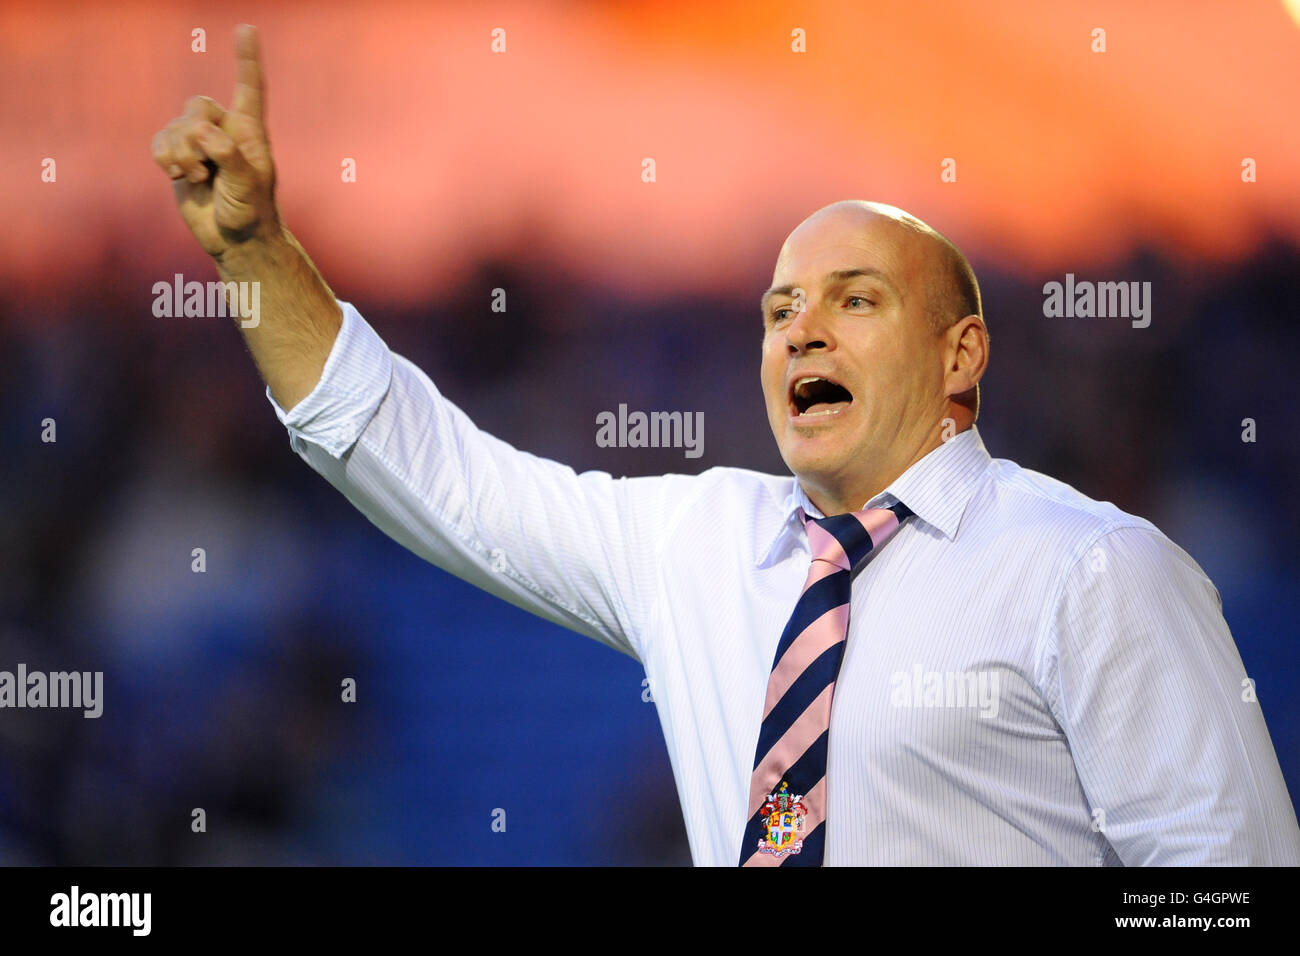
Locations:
(854, 382)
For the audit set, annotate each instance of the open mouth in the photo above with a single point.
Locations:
(813, 397)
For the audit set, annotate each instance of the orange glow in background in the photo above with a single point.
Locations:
(1065, 158)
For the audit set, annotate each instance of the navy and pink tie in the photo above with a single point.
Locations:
(787, 793)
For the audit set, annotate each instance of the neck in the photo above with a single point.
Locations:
(841, 498)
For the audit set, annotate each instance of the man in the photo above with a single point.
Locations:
(909, 653)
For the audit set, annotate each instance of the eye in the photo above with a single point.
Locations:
(860, 299)
(778, 315)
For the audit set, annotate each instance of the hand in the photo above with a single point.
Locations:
(220, 160)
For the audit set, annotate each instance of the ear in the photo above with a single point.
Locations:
(966, 356)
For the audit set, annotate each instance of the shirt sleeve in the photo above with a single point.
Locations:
(354, 381)
(581, 550)
(1163, 724)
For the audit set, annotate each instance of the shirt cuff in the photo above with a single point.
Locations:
(353, 383)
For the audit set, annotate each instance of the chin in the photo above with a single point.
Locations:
(811, 464)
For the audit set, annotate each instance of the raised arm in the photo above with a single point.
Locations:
(580, 550)
(219, 161)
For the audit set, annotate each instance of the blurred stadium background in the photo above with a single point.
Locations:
(522, 170)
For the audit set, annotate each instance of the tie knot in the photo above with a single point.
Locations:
(846, 540)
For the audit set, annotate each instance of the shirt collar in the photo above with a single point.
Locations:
(937, 489)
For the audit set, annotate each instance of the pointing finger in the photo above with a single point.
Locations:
(250, 94)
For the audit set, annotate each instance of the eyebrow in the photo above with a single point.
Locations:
(839, 275)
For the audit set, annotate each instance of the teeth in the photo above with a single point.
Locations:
(807, 381)
(801, 393)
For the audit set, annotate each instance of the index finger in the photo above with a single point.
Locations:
(249, 96)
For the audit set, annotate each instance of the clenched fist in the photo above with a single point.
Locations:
(220, 160)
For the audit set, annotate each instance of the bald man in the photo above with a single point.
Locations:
(869, 298)
(903, 652)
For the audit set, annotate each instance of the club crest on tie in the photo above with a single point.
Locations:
(783, 814)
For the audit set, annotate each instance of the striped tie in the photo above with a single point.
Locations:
(787, 792)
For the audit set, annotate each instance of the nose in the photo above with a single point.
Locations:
(809, 330)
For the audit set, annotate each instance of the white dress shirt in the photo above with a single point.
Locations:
(1031, 677)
